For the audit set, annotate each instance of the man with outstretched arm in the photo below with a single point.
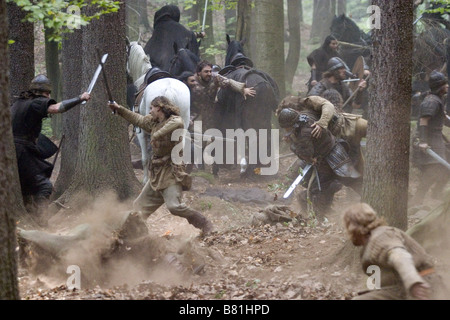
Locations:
(167, 179)
(27, 114)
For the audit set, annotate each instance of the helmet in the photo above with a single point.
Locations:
(437, 80)
(41, 83)
(156, 73)
(287, 117)
(239, 59)
(216, 68)
(336, 63)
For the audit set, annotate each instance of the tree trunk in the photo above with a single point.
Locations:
(133, 17)
(54, 74)
(9, 288)
(386, 175)
(243, 24)
(230, 21)
(21, 52)
(448, 71)
(144, 14)
(341, 7)
(194, 13)
(333, 8)
(322, 17)
(72, 84)
(208, 41)
(300, 17)
(267, 40)
(293, 55)
(103, 158)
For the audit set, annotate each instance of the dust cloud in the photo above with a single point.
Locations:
(109, 245)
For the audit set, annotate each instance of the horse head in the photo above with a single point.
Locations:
(183, 60)
(234, 47)
(345, 29)
(138, 62)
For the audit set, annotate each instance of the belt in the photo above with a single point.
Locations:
(426, 272)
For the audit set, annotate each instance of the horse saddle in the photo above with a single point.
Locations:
(227, 69)
(155, 74)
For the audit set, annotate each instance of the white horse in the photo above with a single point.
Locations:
(138, 63)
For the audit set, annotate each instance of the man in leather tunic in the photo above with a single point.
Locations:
(334, 167)
(406, 270)
(167, 179)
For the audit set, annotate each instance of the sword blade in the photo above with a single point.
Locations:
(438, 158)
(96, 74)
(297, 181)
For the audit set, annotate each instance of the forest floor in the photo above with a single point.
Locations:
(307, 259)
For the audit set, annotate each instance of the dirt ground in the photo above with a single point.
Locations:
(306, 259)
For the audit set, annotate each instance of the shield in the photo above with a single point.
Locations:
(46, 147)
(358, 70)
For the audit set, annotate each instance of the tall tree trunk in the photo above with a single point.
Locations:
(144, 14)
(208, 41)
(268, 31)
(322, 17)
(133, 18)
(71, 80)
(300, 18)
(230, 21)
(194, 13)
(54, 74)
(9, 288)
(447, 41)
(341, 7)
(104, 159)
(386, 175)
(21, 52)
(293, 56)
(243, 24)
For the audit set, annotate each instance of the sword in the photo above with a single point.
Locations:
(438, 158)
(111, 100)
(351, 80)
(204, 15)
(296, 182)
(96, 74)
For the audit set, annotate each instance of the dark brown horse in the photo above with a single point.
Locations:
(253, 112)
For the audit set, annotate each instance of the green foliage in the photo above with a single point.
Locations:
(214, 49)
(441, 10)
(205, 205)
(274, 187)
(47, 127)
(63, 16)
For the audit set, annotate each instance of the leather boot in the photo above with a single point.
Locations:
(201, 222)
